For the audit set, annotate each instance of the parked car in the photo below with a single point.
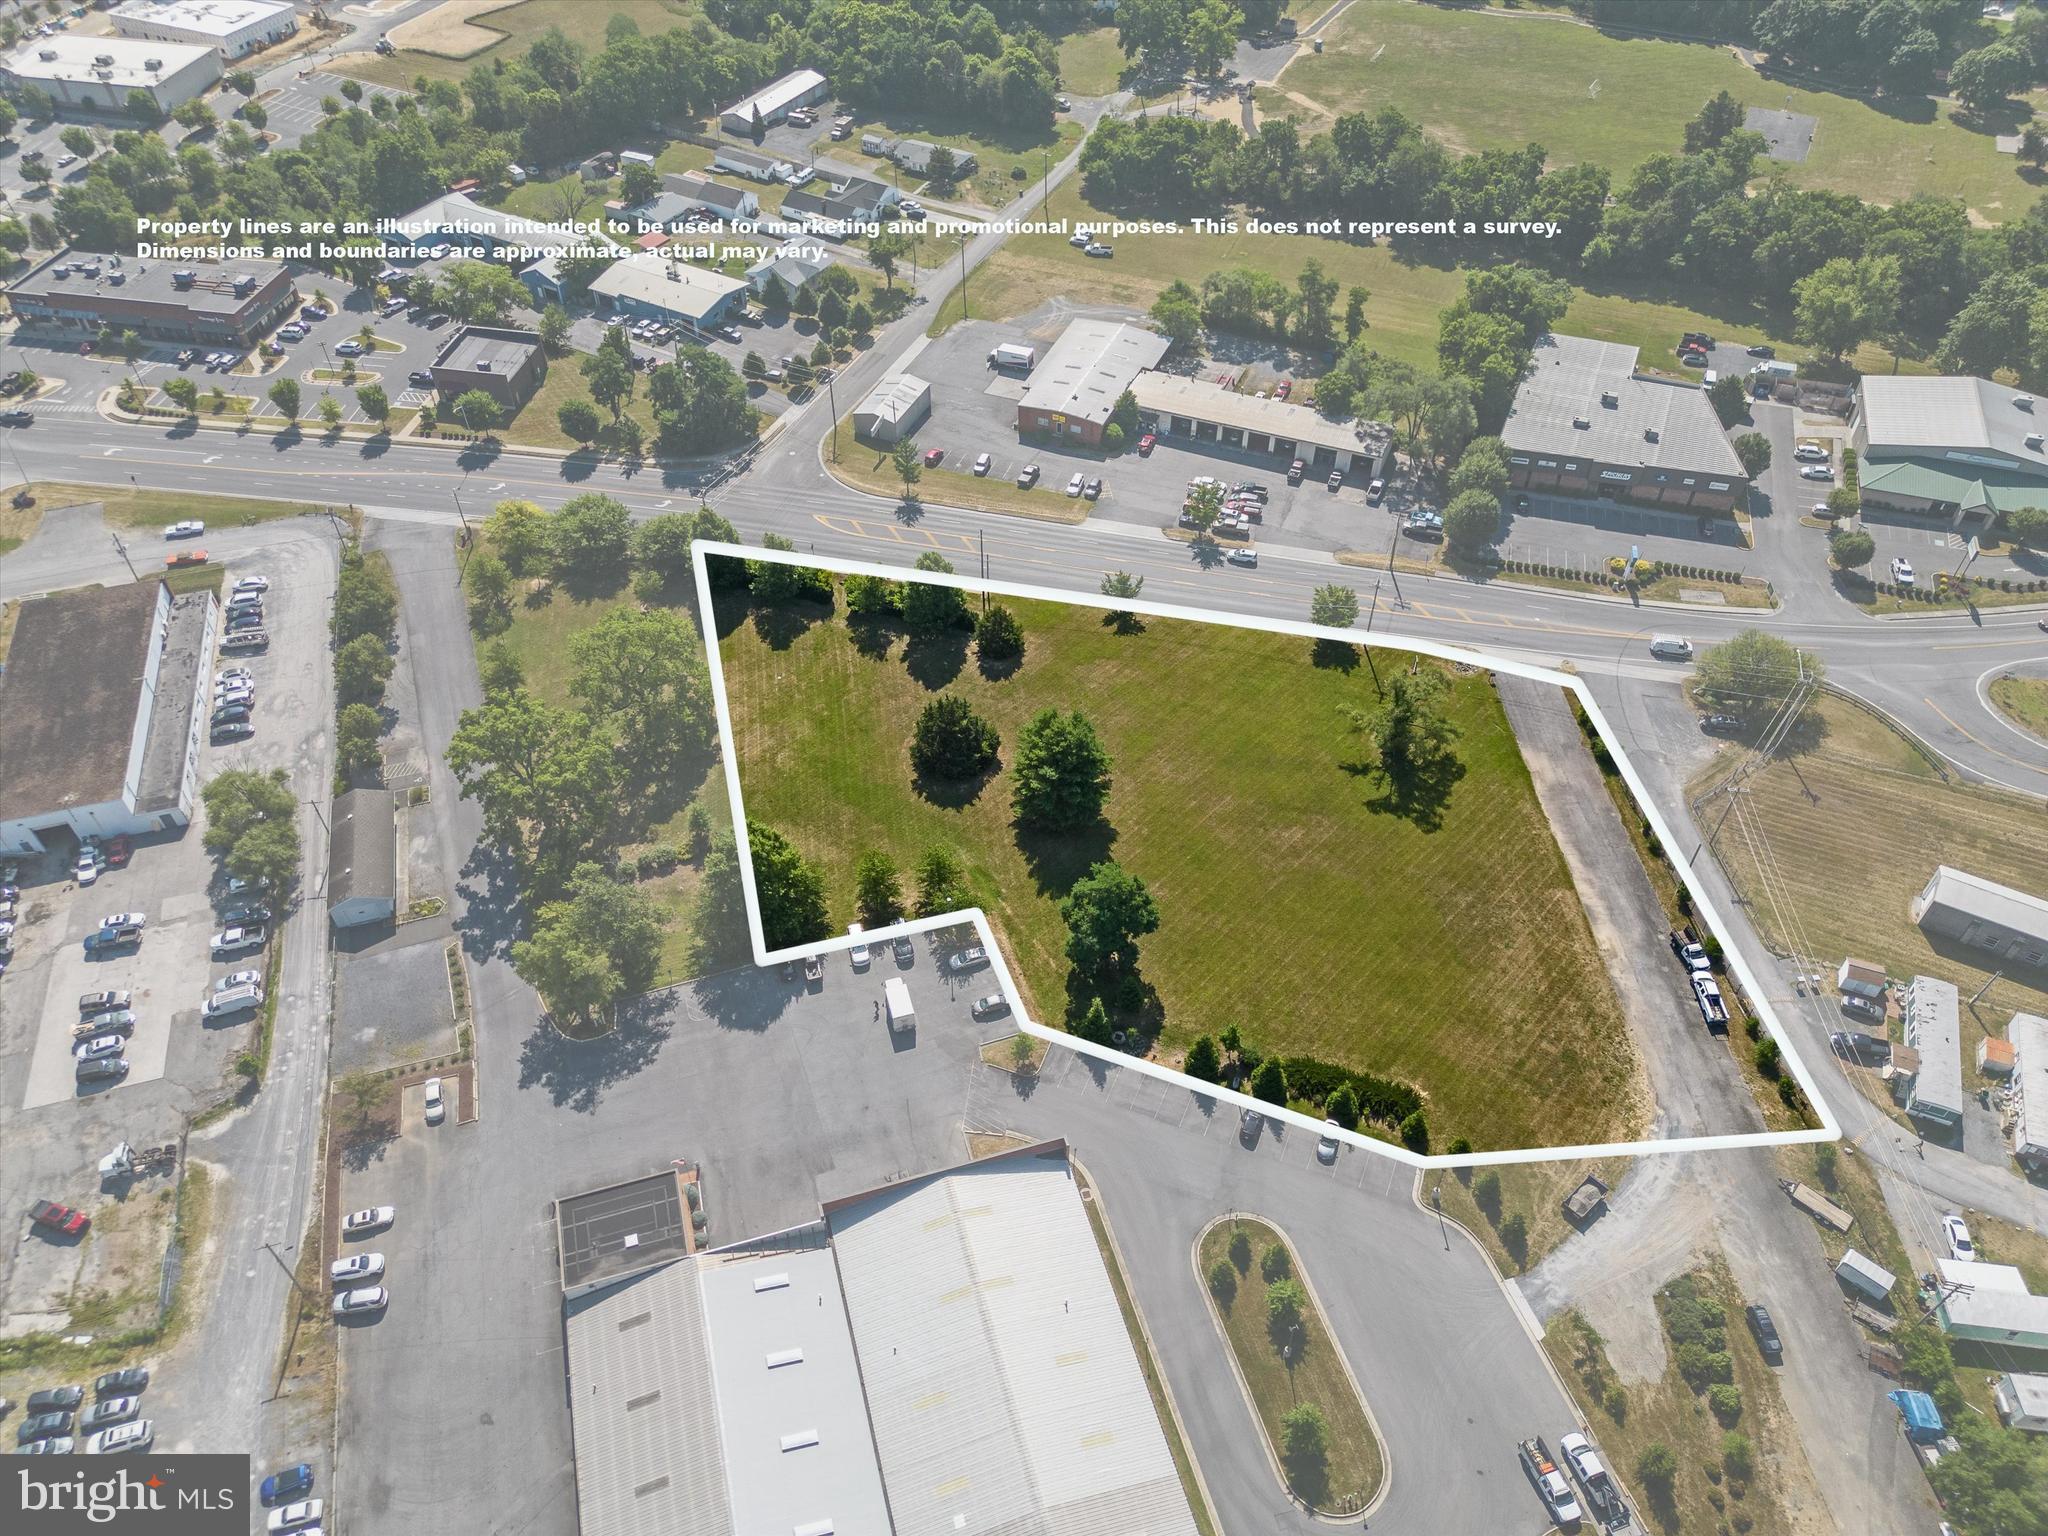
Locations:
(102, 1002)
(112, 1410)
(294, 1516)
(420, 378)
(1075, 482)
(1721, 725)
(41, 1426)
(932, 457)
(59, 1218)
(962, 961)
(133, 1437)
(1093, 489)
(1375, 491)
(242, 913)
(1810, 452)
(982, 464)
(1868, 1009)
(238, 940)
(437, 1108)
(124, 920)
(123, 1383)
(190, 528)
(859, 955)
(1336, 478)
(55, 1445)
(1816, 472)
(1766, 1332)
(1956, 1233)
(905, 951)
(1249, 1124)
(1902, 571)
(286, 1484)
(99, 1046)
(1326, 1144)
(1295, 471)
(994, 1006)
(1762, 350)
(116, 1021)
(238, 979)
(356, 1268)
(1097, 248)
(368, 1219)
(54, 1400)
(1027, 477)
(1146, 444)
(107, 940)
(233, 730)
(371, 1298)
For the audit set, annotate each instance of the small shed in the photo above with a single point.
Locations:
(1859, 978)
(2022, 1400)
(362, 858)
(1865, 1275)
(1994, 1057)
(1921, 1418)
(893, 409)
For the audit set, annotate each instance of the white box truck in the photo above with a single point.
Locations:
(1774, 369)
(1012, 355)
(896, 1003)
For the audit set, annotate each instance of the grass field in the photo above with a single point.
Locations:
(995, 155)
(1354, 1465)
(2024, 701)
(1533, 1191)
(1588, 96)
(127, 506)
(1850, 828)
(1294, 900)
(536, 426)
(1091, 63)
(1407, 297)
(520, 22)
(1705, 1496)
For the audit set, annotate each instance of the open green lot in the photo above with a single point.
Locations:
(1857, 809)
(1091, 63)
(2024, 701)
(1585, 95)
(520, 22)
(1407, 296)
(536, 425)
(1450, 952)
(130, 507)
(997, 152)
(1348, 1475)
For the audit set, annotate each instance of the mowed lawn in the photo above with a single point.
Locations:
(1458, 959)
(1588, 96)
(518, 22)
(1851, 858)
(1408, 297)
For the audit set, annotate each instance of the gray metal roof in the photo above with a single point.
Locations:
(1000, 1378)
(1985, 901)
(362, 849)
(1656, 424)
(898, 397)
(1971, 419)
(1932, 1030)
(2029, 1036)
(1089, 367)
(1205, 400)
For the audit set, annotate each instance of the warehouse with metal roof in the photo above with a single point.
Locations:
(1585, 422)
(2002, 922)
(892, 409)
(1955, 447)
(941, 1357)
(771, 104)
(1078, 382)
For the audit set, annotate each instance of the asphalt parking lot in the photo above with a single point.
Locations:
(1580, 532)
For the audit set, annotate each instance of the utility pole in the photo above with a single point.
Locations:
(832, 399)
(122, 550)
(1392, 575)
(963, 275)
(1045, 178)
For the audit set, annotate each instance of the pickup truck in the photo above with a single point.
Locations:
(1707, 993)
(107, 941)
(1551, 1484)
(1603, 1499)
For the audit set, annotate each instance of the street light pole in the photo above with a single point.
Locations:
(1392, 575)
(832, 399)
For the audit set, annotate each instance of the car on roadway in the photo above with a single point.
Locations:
(132, 1437)
(110, 1410)
(1326, 1145)
(1902, 571)
(1671, 647)
(123, 1383)
(932, 457)
(184, 558)
(40, 1426)
(994, 1006)
(437, 1106)
(17, 417)
(982, 464)
(238, 940)
(64, 1219)
(1075, 482)
(1816, 472)
(963, 961)
(1766, 1331)
(356, 1269)
(358, 1303)
(100, 1046)
(1248, 558)
(1027, 477)
(1956, 1233)
(369, 1219)
(286, 1484)
(1721, 725)
(190, 528)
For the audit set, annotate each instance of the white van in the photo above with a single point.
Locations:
(234, 1000)
(1671, 647)
(1709, 379)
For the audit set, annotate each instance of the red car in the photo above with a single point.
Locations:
(59, 1218)
(932, 456)
(186, 557)
(1145, 443)
(1280, 390)
(114, 852)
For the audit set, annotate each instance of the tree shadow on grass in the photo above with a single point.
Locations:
(997, 669)
(953, 794)
(1057, 859)
(872, 636)
(1418, 796)
(1336, 655)
(933, 661)
(781, 625)
(1124, 623)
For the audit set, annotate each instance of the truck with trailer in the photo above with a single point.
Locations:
(1551, 1484)
(1011, 354)
(896, 1004)
(1817, 1205)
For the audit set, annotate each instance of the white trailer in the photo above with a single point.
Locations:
(896, 1004)
(1775, 369)
(2022, 1401)
(1011, 354)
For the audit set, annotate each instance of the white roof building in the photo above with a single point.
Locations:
(1983, 914)
(2029, 1036)
(893, 408)
(650, 283)
(1933, 1031)
(1079, 380)
(231, 28)
(773, 101)
(99, 72)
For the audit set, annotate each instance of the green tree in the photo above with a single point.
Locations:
(1204, 1063)
(661, 546)
(878, 894)
(718, 919)
(365, 601)
(1286, 1300)
(252, 826)
(143, 109)
(2028, 525)
(78, 141)
(554, 329)
(608, 374)
(356, 730)
(1657, 1465)
(490, 592)
(1843, 302)
(330, 412)
(284, 394)
(1334, 606)
(544, 780)
(1486, 1194)
(1203, 506)
(1483, 466)
(1304, 1436)
(361, 669)
(1106, 912)
(1342, 1107)
(1754, 449)
(1276, 1263)
(1094, 1025)
(1514, 1231)
(951, 741)
(1412, 734)
(1472, 522)
(903, 458)
(579, 420)
(642, 673)
(1415, 1133)
(931, 608)
(1270, 1082)
(1721, 116)
(1851, 548)
(998, 637)
(1178, 314)
(1729, 395)
(184, 393)
(1122, 584)
(790, 888)
(941, 883)
(374, 403)
(1061, 773)
(591, 538)
(520, 533)
(477, 411)
(1355, 323)
(1223, 1283)
(1752, 674)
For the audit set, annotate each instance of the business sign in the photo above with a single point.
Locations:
(125, 1496)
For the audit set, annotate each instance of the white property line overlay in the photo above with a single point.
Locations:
(701, 551)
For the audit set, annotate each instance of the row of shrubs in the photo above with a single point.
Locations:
(1646, 571)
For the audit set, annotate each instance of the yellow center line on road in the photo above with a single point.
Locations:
(1994, 751)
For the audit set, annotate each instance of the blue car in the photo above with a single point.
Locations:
(288, 1484)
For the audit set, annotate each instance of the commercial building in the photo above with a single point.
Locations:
(1586, 423)
(99, 74)
(770, 105)
(893, 409)
(507, 365)
(649, 286)
(2029, 1094)
(103, 699)
(231, 28)
(1078, 382)
(794, 266)
(213, 304)
(941, 1357)
(1996, 919)
(1957, 449)
(1175, 405)
(1934, 1091)
(715, 198)
(362, 858)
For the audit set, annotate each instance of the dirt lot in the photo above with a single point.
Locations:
(447, 29)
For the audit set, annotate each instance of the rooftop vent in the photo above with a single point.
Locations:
(1609, 398)
(782, 1357)
(483, 365)
(802, 1439)
(153, 65)
(117, 278)
(1649, 434)
(1581, 422)
(246, 283)
(2023, 402)
(184, 277)
(47, 55)
(2034, 441)
(103, 60)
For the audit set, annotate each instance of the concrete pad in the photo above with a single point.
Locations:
(393, 1006)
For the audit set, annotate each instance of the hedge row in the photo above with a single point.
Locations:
(1602, 578)
(1379, 1098)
